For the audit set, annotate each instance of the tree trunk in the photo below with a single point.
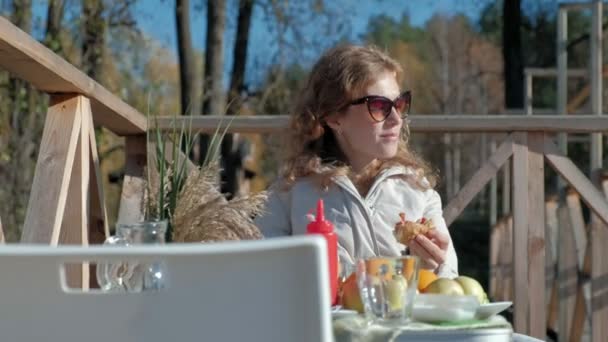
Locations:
(93, 40)
(188, 100)
(213, 102)
(232, 158)
(53, 25)
(213, 99)
(513, 54)
(237, 79)
(20, 143)
(18, 89)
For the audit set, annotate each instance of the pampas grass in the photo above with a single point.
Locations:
(204, 214)
(189, 196)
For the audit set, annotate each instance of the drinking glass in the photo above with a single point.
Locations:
(387, 286)
(132, 275)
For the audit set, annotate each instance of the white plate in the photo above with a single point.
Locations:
(485, 311)
(434, 308)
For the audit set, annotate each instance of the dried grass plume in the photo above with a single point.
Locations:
(203, 214)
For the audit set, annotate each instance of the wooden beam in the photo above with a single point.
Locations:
(487, 171)
(521, 169)
(577, 222)
(551, 232)
(574, 6)
(53, 171)
(529, 234)
(567, 273)
(507, 260)
(599, 277)
(98, 218)
(134, 183)
(75, 222)
(583, 123)
(552, 72)
(536, 235)
(566, 168)
(26, 58)
(496, 242)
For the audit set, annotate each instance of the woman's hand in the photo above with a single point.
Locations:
(431, 248)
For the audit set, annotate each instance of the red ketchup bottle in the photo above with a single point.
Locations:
(326, 228)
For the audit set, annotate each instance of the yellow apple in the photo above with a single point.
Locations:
(473, 288)
(444, 286)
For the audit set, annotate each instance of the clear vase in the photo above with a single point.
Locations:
(132, 275)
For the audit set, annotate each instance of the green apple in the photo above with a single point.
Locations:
(473, 288)
(445, 286)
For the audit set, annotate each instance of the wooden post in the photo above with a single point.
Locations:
(53, 172)
(577, 224)
(528, 93)
(599, 277)
(520, 233)
(506, 188)
(507, 263)
(566, 273)
(496, 243)
(98, 216)
(58, 208)
(1, 232)
(551, 230)
(134, 184)
(493, 191)
(75, 224)
(529, 234)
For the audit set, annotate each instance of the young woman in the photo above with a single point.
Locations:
(347, 144)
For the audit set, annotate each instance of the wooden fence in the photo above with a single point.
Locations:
(66, 203)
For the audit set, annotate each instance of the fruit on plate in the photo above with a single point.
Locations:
(406, 230)
(444, 286)
(425, 278)
(350, 294)
(472, 287)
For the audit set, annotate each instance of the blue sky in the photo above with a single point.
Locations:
(156, 19)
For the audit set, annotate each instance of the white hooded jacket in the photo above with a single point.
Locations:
(364, 225)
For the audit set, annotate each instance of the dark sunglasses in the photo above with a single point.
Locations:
(379, 107)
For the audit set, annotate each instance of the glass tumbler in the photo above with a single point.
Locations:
(131, 275)
(387, 286)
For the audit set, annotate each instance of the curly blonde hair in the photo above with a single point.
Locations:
(311, 149)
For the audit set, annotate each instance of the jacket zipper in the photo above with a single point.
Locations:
(346, 184)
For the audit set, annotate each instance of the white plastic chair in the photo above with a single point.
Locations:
(272, 290)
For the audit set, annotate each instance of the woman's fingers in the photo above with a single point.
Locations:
(425, 257)
(434, 250)
(441, 239)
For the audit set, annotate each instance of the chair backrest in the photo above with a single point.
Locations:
(270, 290)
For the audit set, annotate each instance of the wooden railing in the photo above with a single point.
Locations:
(66, 202)
(530, 140)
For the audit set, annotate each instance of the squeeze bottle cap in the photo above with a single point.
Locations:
(320, 225)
